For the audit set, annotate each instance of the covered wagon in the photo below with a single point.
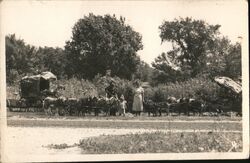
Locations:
(33, 89)
(232, 93)
(34, 86)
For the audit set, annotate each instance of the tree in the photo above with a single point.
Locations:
(224, 59)
(24, 59)
(143, 72)
(19, 57)
(51, 59)
(233, 62)
(102, 42)
(165, 71)
(191, 40)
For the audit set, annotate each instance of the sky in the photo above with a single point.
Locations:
(49, 23)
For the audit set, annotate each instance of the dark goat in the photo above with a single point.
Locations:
(72, 106)
(53, 105)
(187, 105)
(183, 106)
(151, 107)
(85, 106)
(195, 106)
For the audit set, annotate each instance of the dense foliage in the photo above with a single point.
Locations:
(164, 70)
(191, 41)
(100, 43)
(190, 88)
(225, 59)
(18, 58)
(24, 59)
(51, 59)
(197, 48)
(144, 72)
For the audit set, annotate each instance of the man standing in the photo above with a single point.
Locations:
(111, 94)
(111, 90)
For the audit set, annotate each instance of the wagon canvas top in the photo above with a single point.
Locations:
(228, 83)
(45, 75)
(31, 86)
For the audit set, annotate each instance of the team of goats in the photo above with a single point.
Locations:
(81, 106)
(111, 106)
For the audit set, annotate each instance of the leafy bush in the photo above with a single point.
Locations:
(192, 88)
(12, 92)
(123, 87)
(77, 88)
(12, 77)
(13, 85)
(201, 88)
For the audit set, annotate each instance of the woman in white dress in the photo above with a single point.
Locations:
(138, 99)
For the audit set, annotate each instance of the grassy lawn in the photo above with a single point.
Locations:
(144, 116)
(159, 142)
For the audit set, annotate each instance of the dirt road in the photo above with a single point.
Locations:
(133, 124)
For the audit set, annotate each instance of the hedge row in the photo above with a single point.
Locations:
(200, 88)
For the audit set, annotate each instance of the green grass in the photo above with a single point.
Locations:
(160, 142)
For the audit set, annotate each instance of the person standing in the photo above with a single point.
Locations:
(138, 99)
(111, 90)
(111, 95)
(123, 106)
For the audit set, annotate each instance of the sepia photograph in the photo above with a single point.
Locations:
(123, 80)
